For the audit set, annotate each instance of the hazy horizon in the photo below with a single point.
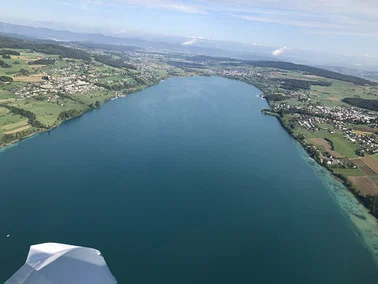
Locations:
(347, 29)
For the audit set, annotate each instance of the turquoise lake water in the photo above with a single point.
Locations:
(184, 182)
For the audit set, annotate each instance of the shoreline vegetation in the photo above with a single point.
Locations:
(365, 216)
(11, 139)
(291, 107)
(370, 202)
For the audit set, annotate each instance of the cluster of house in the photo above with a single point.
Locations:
(340, 117)
(149, 64)
(240, 72)
(81, 78)
(72, 84)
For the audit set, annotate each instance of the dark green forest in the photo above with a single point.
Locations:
(9, 52)
(295, 84)
(111, 61)
(6, 79)
(65, 115)
(42, 61)
(47, 48)
(181, 64)
(312, 71)
(362, 103)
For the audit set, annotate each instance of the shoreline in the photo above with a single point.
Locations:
(345, 195)
(268, 111)
(364, 223)
(313, 154)
(3, 147)
(14, 142)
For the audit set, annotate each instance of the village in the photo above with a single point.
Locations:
(79, 78)
(340, 117)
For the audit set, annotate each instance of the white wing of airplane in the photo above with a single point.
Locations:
(52, 263)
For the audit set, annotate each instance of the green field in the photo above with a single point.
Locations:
(22, 64)
(46, 112)
(100, 96)
(4, 94)
(342, 145)
(349, 172)
(375, 157)
(10, 121)
(339, 90)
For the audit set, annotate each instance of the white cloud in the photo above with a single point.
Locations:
(168, 5)
(279, 51)
(203, 38)
(331, 7)
(289, 21)
(81, 5)
(334, 16)
(190, 42)
(187, 9)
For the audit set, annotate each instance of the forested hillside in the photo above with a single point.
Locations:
(312, 71)
(47, 48)
(362, 103)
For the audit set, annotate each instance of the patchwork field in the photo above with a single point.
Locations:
(36, 66)
(374, 179)
(10, 121)
(47, 112)
(35, 78)
(363, 166)
(361, 132)
(365, 185)
(373, 164)
(21, 57)
(350, 172)
(18, 129)
(327, 146)
(342, 146)
(365, 129)
(339, 90)
(15, 125)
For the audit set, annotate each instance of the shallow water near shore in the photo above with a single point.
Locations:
(184, 182)
(365, 224)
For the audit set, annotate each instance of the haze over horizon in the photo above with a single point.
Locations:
(343, 28)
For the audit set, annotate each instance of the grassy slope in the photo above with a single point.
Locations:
(349, 172)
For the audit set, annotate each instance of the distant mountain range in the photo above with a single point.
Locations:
(369, 74)
(201, 46)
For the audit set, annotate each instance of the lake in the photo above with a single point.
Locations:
(184, 182)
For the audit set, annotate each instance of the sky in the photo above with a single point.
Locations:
(343, 27)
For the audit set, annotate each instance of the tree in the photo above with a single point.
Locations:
(24, 72)
(301, 137)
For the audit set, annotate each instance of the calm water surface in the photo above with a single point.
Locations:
(184, 182)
